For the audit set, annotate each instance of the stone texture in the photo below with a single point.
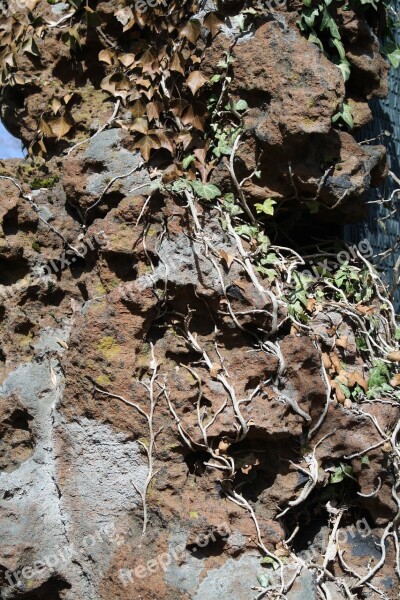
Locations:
(72, 461)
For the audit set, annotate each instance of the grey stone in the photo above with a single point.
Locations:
(105, 152)
(68, 504)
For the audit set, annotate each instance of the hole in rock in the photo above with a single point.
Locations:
(77, 266)
(123, 265)
(210, 544)
(16, 438)
(24, 327)
(312, 516)
(50, 590)
(13, 269)
(195, 462)
(53, 298)
(256, 98)
(11, 225)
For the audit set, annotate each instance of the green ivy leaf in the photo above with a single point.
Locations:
(392, 52)
(264, 580)
(344, 66)
(241, 105)
(180, 185)
(248, 231)
(328, 22)
(269, 561)
(309, 15)
(339, 47)
(379, 377)
(267, 207)
(231, 206)
(206, 191)
(345, 114)
(313, 206)
(314, 39)
(187, 161)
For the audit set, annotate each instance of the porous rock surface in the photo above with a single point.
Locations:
(72, 458)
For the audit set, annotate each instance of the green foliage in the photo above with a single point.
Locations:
(379, 378)
(365, 461)
(340, 472)
(205, 191)
(321, 23)
(345, 114)
(267, 207)
(44, 182)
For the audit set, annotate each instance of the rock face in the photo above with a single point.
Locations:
(162, 420)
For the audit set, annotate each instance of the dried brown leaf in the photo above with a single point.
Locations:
(191, 30)
(107, 56)
(213, 22)
(195, 81)
(61, 126)
(226, 257)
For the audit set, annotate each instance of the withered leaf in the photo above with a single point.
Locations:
(55, 105)
(171, 173)
(191, 30)
(355, 378)
(154, 110)
(339, 392)
(195, 81)
(116, 85)
(342, 342)
(195, 115)
(127, 60)
(213, 22)
(45, 128)
(30, 47)
(140, 125)
(335, 362)
(365, 310)
(147, 57)
(61, 126)
(185, 138)
(310, 304)
(177, 63)
(146, 143)
(326, 361)
(137, 109)
(107, 56)
(146, 83)
(177, 106)
(223, 446)
(124, 15)
(166, 139)
(395, 381)
(226, 257)
(394, 356)
(67, 98)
